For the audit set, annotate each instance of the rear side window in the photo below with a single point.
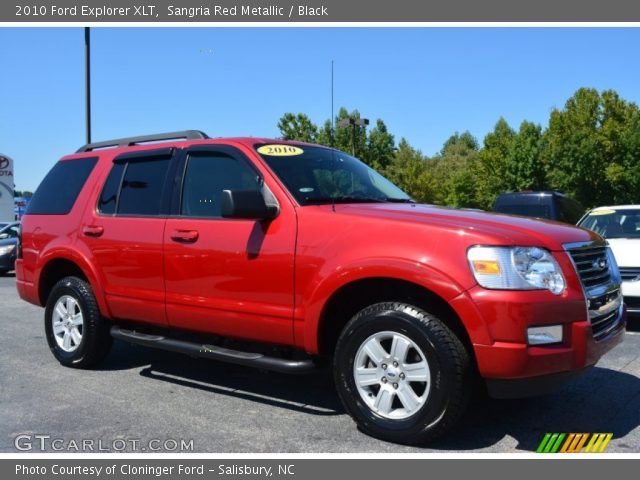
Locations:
(109, 195)
(60, 188)
(135, 184)
(142, 185)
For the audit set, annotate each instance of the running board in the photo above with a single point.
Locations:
(249, 359)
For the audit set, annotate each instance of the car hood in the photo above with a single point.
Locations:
(626, 251)
(494, 227)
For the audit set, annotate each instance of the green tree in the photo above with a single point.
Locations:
(297, 127)
(525, 169)
(592, 148)
(492, 165)
(380, 146)
(342, 135)
(409, 169)
(454, 171)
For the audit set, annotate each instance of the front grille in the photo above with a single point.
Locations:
(601, 284)
(602, 324)
(592, 265)
(630, 274)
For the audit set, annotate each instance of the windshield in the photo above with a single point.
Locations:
(317, 175)
(614, 223)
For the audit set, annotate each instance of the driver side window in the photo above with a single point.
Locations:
(207, 175)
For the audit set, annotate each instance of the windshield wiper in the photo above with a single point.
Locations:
(399, 200)
(342, 199)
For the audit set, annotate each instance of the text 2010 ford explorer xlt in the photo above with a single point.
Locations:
(277, 254)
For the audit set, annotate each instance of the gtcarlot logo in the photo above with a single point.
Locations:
(45, 443)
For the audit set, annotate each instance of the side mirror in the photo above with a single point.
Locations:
(4, 236)
(248, 204)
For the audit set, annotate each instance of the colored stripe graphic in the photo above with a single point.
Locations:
(574, 442)
(551, 442)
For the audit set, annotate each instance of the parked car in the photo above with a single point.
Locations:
(549, 205)
(8, 242)
(620, 225)
(279, 254)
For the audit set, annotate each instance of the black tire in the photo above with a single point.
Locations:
(448, 363)
(96, 340)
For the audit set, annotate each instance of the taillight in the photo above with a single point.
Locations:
(19, 245)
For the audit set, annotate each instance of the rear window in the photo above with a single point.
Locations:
(541, 211)
(60, 188)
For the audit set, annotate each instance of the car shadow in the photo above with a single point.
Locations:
(312, 393)
(601, 401)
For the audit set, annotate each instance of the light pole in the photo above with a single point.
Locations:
(87, 79)
(361, 122)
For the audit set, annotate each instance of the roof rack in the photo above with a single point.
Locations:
(158, 137)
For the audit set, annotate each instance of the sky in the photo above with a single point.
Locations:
(425, 83)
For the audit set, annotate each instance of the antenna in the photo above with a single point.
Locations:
(332, 119)
(333, 153)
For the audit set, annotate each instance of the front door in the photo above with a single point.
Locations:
(232, 277)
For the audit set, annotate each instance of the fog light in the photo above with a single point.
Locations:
(544, 335)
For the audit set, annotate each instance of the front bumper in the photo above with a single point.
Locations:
(511, 367)
(515, 370)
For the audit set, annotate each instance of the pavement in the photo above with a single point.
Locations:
(141, 399)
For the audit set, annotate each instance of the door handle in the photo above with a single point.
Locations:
(93, 230)
(185, 236)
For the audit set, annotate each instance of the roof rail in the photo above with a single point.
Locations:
(158, 137)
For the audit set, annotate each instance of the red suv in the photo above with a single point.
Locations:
(279, 254)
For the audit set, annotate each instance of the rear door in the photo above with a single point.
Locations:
(232, 277)
(125, 233)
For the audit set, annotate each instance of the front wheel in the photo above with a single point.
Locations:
(401, 373)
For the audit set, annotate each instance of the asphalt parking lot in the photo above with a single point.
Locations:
(141, 398)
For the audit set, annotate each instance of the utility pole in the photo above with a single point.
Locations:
(360, 122)
(87, 79)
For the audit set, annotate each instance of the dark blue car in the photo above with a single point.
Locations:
(8, 243)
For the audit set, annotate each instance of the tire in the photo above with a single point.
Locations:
(423, 396)
(80, 339)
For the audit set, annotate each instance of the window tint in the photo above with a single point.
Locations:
(207, 175)
(142, 186)
(318, 175)
(109, 195)
(60, 188)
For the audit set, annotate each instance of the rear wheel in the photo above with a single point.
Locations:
(401, 373)
(77, 334)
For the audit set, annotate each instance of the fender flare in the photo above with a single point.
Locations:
(83, 263)
(328, 283)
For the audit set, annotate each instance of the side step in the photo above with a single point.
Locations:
(249, 359)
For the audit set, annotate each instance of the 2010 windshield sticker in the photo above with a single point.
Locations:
(280, 150)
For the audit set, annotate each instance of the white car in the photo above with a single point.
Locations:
(620, 225)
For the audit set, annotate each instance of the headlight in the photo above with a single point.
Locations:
(516, 268)
(7, 250)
